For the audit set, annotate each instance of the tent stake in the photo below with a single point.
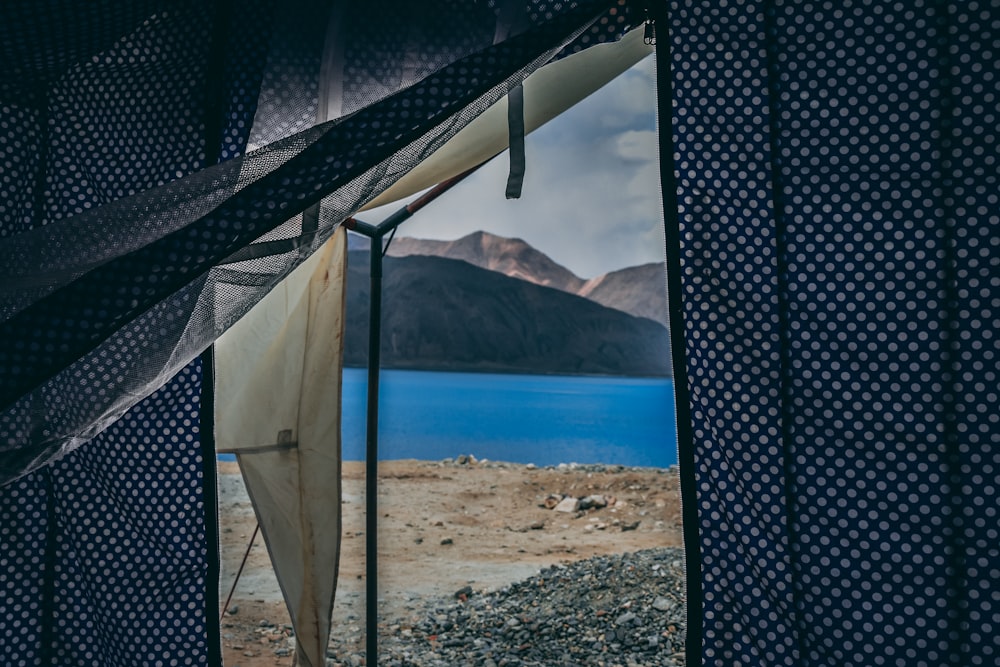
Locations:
(236, 580)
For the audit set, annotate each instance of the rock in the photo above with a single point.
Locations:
(630, 526)
(465, 590)
(232, 611)
(568, 615)
(447, 541)
(568, 504)
(593, 502)
(462, 460)
(537, 525)
(552, 501)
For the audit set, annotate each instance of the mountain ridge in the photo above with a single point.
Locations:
(637, 290)
(513, 257)
(448, 314)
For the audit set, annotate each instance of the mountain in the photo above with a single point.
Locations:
(511, 257)
(446, 314)
(637, 290)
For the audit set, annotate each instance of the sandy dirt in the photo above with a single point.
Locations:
(496, 518)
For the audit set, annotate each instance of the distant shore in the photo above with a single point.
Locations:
(445, 525)
(505, 370)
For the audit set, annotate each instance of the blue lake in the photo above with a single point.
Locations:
(540, 419)
(536, 419)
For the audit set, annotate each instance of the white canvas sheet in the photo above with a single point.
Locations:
(278, 385)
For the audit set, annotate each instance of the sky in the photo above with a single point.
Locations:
(591, 195)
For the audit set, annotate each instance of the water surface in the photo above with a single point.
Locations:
(538, 419)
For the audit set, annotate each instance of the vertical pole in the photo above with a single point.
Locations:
(376, 233)
(371, 455)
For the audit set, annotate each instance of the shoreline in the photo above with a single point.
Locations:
(443, 526)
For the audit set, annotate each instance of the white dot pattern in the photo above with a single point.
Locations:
(103, 555)
(125, 582)
(838, 185)
(166, 272)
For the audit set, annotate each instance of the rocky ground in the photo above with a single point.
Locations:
(484, 563)
(623, 609)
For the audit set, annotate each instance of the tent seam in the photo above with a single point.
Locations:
(678, 351)
(781, 280)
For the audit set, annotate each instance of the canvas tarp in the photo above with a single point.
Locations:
(281, 416)
(548, 92)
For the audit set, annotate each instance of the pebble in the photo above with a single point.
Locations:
(470, 459)
(568, 504)
(606, 610)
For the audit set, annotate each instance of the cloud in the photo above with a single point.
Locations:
(628, 102)
(591, 197)
(636, 145)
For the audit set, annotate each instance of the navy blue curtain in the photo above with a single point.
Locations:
(836, 252)
(104, 552)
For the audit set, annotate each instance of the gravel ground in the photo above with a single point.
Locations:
(620, 610)
(492, 530)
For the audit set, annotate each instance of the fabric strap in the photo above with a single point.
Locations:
(515, 125)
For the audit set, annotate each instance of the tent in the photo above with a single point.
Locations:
(830, 183)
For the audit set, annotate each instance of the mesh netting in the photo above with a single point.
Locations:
(99, 313)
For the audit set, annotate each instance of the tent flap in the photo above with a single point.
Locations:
(293, 380)
(837, 182)
(162, 168)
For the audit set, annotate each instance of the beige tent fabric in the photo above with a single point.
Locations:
(547, 93)
(278, 406)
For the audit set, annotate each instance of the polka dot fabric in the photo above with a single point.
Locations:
(733, 331)
(123, 154)
(838, 185)
(131, 557)
(23, 528)
(103, 557)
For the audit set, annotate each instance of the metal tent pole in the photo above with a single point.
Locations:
(376, 233)
(371, 453)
